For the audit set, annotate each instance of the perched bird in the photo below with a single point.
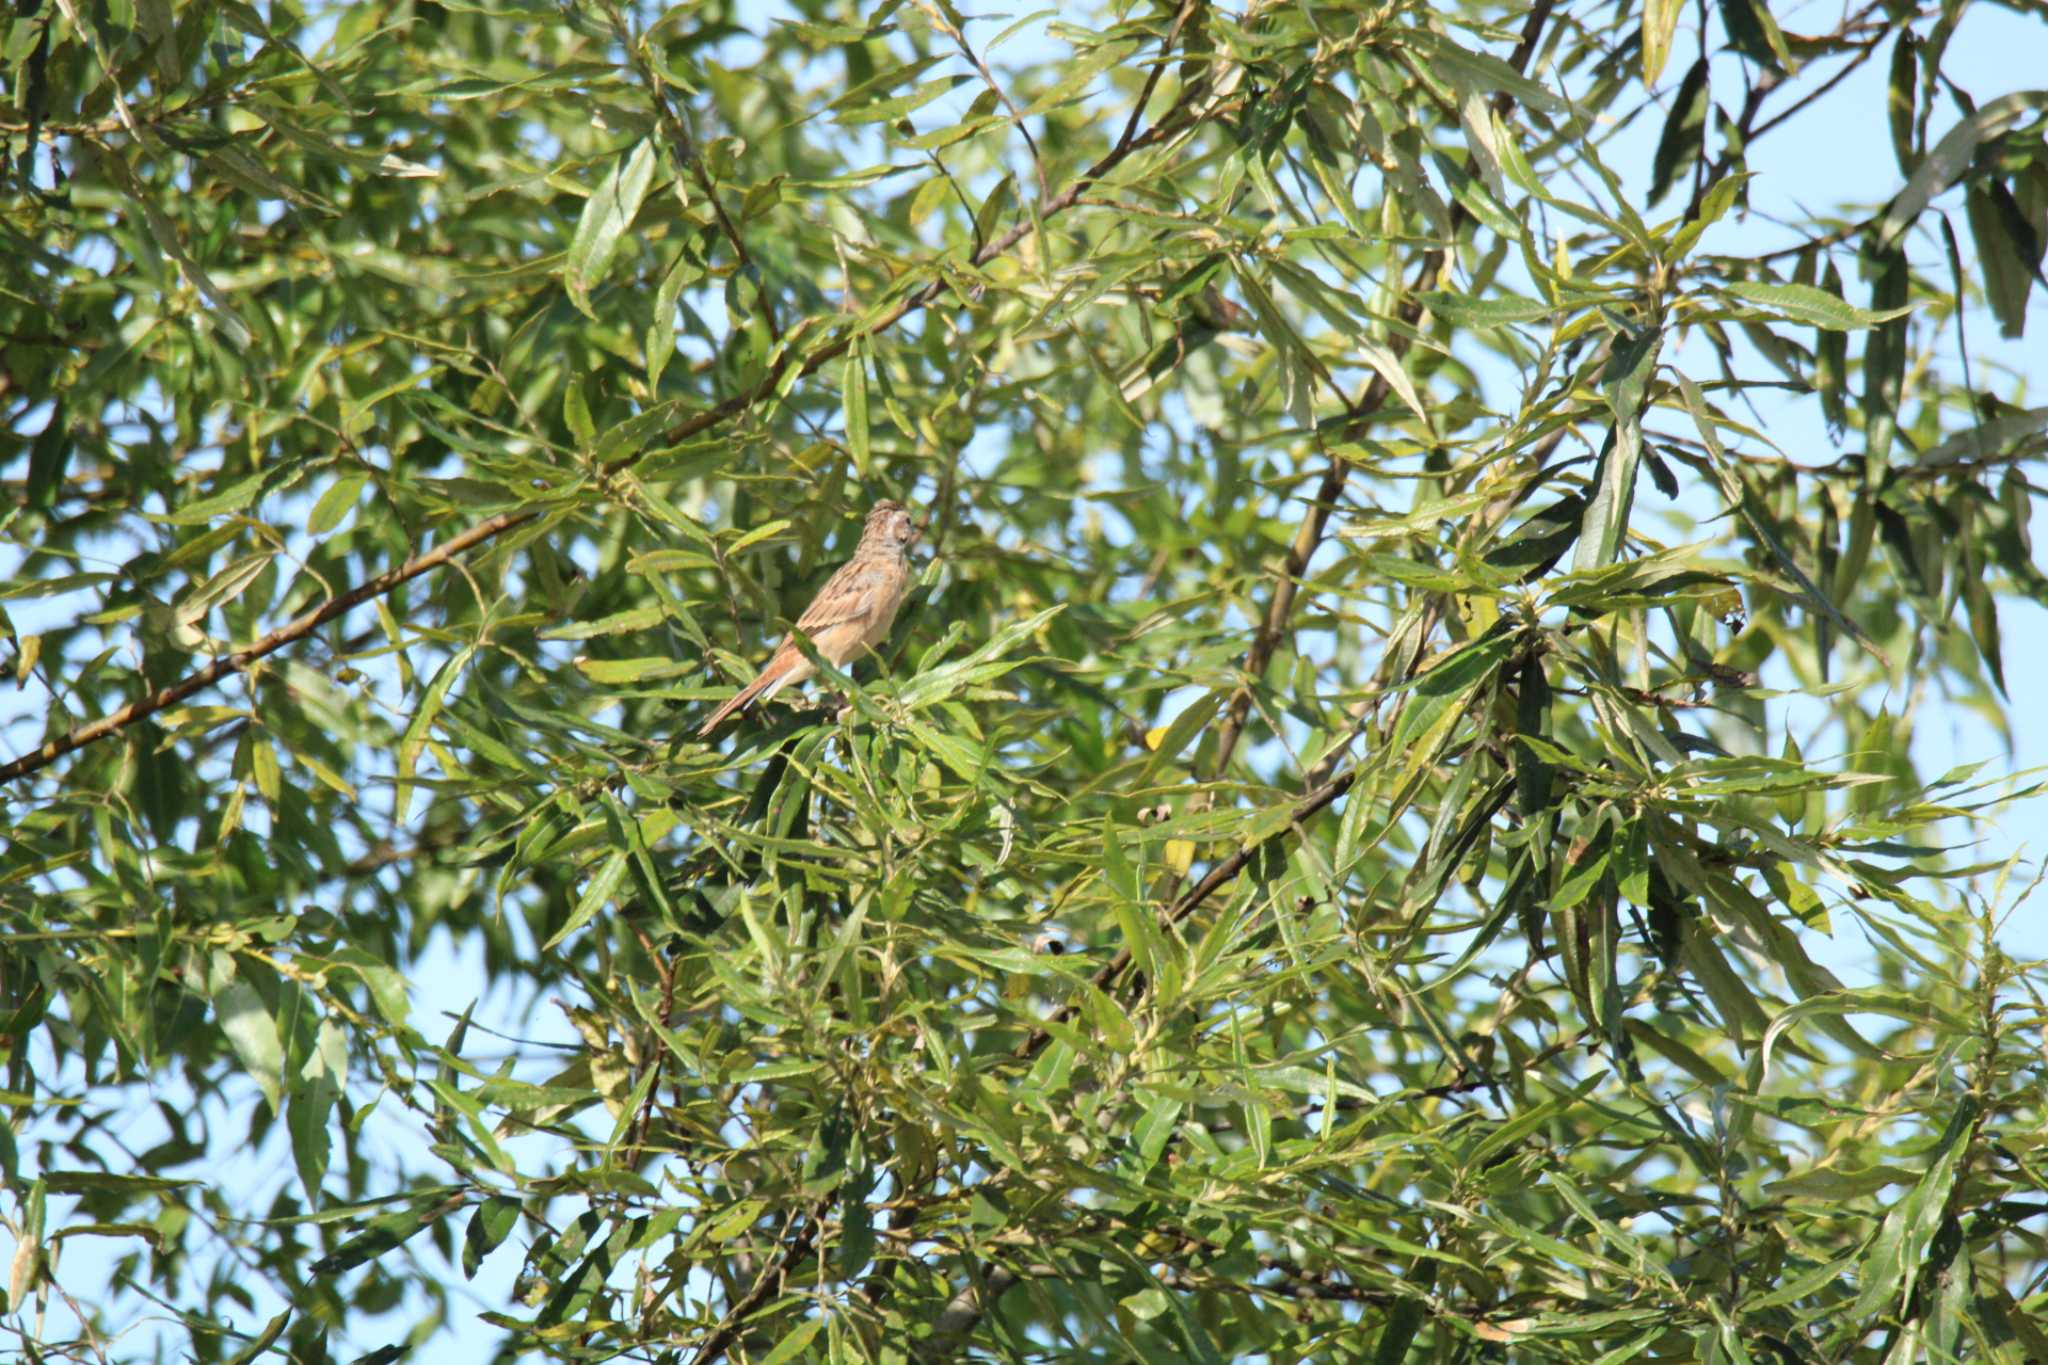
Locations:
(852, 613)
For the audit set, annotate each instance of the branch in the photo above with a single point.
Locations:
(1183, 115)
(1308, 537)
(241, 659)
(939, 21)
(795, 1249)
(1217, 877)
(684, 149)
(1180, 117)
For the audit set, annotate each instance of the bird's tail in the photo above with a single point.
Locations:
(767, 683)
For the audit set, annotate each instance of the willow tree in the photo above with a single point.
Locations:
(1434, 553)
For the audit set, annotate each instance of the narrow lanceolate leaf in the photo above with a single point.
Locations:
(1900, 95)
(1951, 156)
(660, 345)
(1446, 688)
(488, 1227)
(1605, 528)
(2008, 253)
(1814, 307)
(249, 1027)
(600, 889)
(421, 724)
(854, 403)
(1496, 310)
(1754, 32)
(1388, 366)
(1684, 128)
(607, 214)
(377, 1236)
(1660, 21)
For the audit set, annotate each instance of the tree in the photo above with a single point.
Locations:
(1437, 559)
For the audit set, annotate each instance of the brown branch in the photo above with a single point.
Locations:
(1216, 878)
(1187, 10)
(794, 1250)
(684, 149)
(939, 21)
(241, 659)
(1180, 117)
(1308, 537)
(1747, 127)
(667, 968)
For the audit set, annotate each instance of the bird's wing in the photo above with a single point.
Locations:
(847, 598)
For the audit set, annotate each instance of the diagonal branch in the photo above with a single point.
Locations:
(953, 31)
(242, 659)
(1308, 537)
(728, 1329)
(1185, 114)
(1214, 880)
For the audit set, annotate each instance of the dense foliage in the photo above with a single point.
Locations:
(1434, 563)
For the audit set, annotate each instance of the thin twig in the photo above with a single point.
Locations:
(1187, 10)
(947, 27)
(794, 1249)
(684, 149)
(241, 659)
(1181, 117)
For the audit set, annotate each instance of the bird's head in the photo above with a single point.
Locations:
(890, 526)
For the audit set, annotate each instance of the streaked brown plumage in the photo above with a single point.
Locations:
(850, 615)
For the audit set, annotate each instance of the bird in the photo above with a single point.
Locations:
(852, 613)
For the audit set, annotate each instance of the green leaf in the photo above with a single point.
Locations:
(2008, 253)
(607, 213)
(1660, 21)
(1605, 529)
(336, 503)
(854, 409)
(1678, 149)
(661, 332)
(1755, 33)
(795, 1343)
(602, 886)
(1499, 310)
(933, 685)
(378, 1236)
(263, 1340)
(1891, 1266)
(1899, 97)
(251, 1031)
(1951, 156)
(1447, 688)
(312, 1097)
(422, 722)
(1077, 75)
(489, 1225)
(1815, 307)
(886, 110)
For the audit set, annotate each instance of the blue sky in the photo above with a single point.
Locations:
(1826, 158)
